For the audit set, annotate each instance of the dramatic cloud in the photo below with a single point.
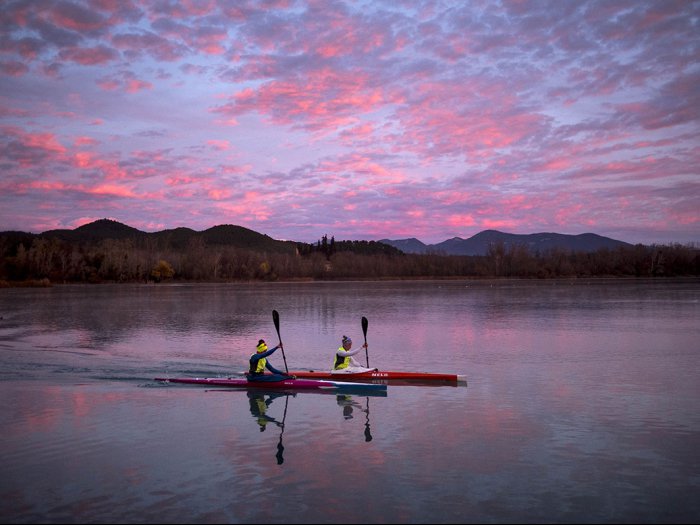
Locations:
(383, 119)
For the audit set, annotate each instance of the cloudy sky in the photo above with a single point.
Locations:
(355, 119)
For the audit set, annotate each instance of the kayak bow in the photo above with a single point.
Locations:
(379, 376)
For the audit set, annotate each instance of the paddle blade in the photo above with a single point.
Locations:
(276, 320)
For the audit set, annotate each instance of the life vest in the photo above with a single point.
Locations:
(259, 366)
(341, 362)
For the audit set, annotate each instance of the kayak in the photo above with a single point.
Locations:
(286, 384)
(383, 377)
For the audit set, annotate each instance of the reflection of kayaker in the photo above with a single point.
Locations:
(258, 408)
(348, 404)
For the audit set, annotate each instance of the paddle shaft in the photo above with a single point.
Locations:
(364, 331)
(280, 446)
(276, 320)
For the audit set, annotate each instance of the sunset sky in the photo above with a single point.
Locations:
(353, 119)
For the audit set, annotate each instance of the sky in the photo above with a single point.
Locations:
(359, 120)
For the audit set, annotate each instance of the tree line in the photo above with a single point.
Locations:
(42, 261)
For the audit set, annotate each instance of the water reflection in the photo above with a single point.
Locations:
(581, 407)
(349, 405)
(259, 403)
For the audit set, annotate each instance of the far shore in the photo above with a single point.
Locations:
(46, 283)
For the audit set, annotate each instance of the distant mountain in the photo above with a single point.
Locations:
(178, 238)
(240, 237)
(95, 231)
(228, 234)
(536, 242)
(411, 245)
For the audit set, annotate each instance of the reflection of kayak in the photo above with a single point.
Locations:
(286, 384)
(347, 390)
(380, 376)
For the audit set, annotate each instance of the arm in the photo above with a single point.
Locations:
(273, 369)
(257, 357)
(342, 353)
(267, 352)
(355, 363)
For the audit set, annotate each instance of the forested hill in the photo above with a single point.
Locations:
(175, 239)
(108, 251)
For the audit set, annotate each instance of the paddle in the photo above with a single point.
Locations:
(276, 320)
(280, 446)
(368, 432)
(364, 331)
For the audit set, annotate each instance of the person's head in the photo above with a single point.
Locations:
(261, 346)
(347, 342)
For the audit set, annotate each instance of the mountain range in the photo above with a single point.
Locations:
(535, 242)
(178, 238)
(238, 236)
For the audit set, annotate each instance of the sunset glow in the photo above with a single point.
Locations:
(359, 120)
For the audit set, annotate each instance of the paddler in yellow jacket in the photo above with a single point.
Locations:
(259, 362)
(344, 362)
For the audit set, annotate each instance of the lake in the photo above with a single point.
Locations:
(581, 404)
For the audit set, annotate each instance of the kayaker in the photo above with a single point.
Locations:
(259, 362)
(344, 362)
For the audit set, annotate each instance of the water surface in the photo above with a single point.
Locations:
(581, 404)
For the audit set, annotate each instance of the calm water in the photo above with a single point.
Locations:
(582, 404)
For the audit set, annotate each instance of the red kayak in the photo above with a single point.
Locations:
(383, 377)
(286, 384)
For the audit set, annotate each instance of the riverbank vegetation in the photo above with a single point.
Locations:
(43, 260)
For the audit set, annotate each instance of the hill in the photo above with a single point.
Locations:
(240, 237)
(480, 243)
(411, 245)
(178, 238)
(95, 231)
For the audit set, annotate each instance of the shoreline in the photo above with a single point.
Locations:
(46, 283)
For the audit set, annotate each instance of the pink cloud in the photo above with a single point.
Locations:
(492, 224)
(75, 17)
(45, 141)
(134, 85)
(109, 84)
(27, 148)
(461, 221)
(134, 45)
(113, 190)
(323, 99)
(178, 180)
(219, 194)
(13, 68)
(221, 145)
(89, 56)
(85, 141)
(125, 81)
(427, 121)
